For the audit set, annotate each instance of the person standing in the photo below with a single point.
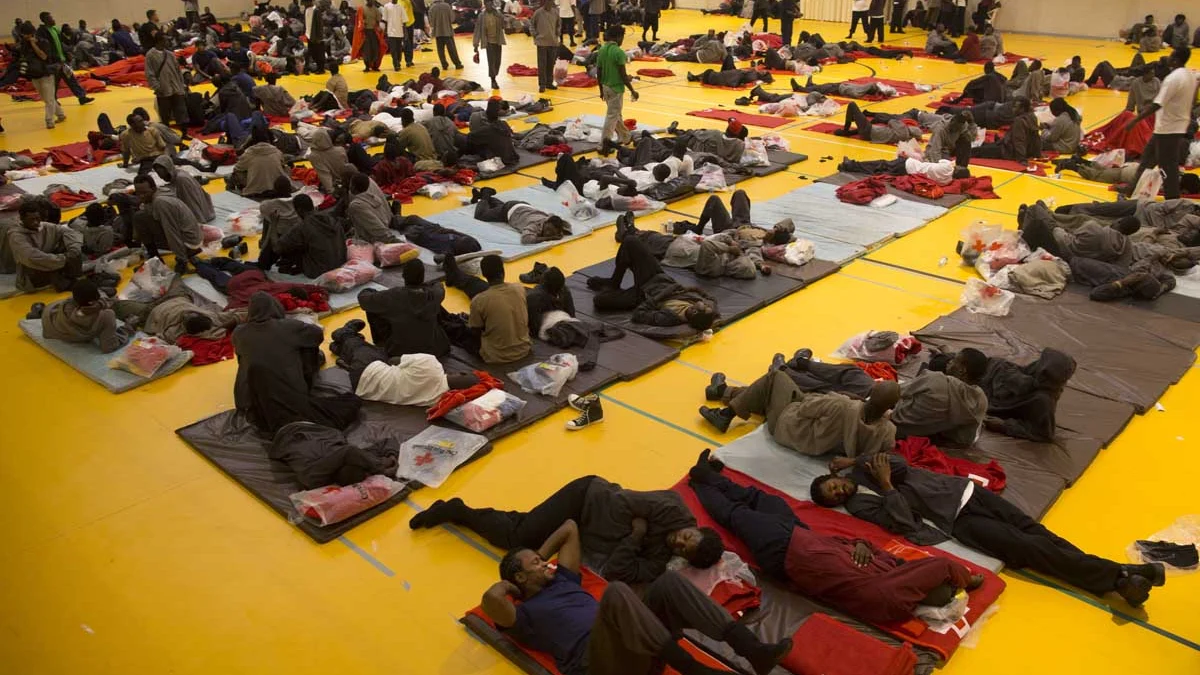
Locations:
(57, 59)
(191, 10)
(595, 9)
(789, 11)
(613, 80)
(762, 10)
(958, 24)
(545, 27)
(441, 22)
(859, 12)
(651, 10)
(875, 20)
(899, 9)
(1173, 104)
(372, 54)
(35, 65)
(166, 80)
(314, 30)
(397, 18)
(566, 18)
(489, 32)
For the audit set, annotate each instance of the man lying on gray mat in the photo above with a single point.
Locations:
(534, 225)
(978, 518)
(655, 298)
(619, 634)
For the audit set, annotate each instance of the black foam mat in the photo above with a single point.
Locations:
(1174, 305)
(947, 201)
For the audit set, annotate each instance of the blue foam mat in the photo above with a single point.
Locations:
(88, 360)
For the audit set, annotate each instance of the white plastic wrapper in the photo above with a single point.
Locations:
(486, 411)
(491, 165)
(149, 282)
(1110, 159)
(755, 153)
(547, 377)
(1149, 185)
(247, 221)
(333, 504)
(144, 356)
(580, 208)
(874, 345)
(980, 297)
(355, 273)
(432, 455)
(941, 618)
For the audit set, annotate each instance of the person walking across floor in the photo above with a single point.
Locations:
(545, 27)
(613, 80)
(489, 33)
(1173, 105)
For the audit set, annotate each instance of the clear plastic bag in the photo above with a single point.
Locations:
(1008, 248)
(755, 153)
(712, 179)
(975, 239)
(580, 208)
(1149, 185)
(774, 141)
(799, 252)
(547, 377)
(348, 276)
(144, 356)
(980, 297)
(1111, 159)
(149, 282)
(910, 149)
(359, 251)
(391, 255)
(491, 165)
(211, 233)
(333, 504)
(432, 455)
(940, 618)
(1185, 530)
(1060, 84)
(560, 71)
(486, 411)
(248, 221)
(878, 345)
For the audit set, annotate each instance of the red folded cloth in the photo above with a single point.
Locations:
(206, 351)
(521, 70)
(581, 80)
(555, 150)
(456, 397)
(1010, 165)
(825, 127)
(920, 452)
(656, 72)
(66, 199)
(768, 121)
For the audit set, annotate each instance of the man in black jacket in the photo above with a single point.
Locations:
(58, 61)
(956, 507)
(405, 320)
(637, 531)
(986, 87)
(317, 241)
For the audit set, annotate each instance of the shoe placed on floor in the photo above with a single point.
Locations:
(742, 100)
(593, 414)
(231, 241)
(35, 310)
(582, 403)
(534, 276)
(691, 77)
(720, 418)
(1134, 589)
(715, 390)
(541, 90)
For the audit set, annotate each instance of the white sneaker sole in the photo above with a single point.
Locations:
(590, 424)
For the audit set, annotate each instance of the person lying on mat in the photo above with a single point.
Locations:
(989, 115)
(499, 320)
(708, 48)
(1022, 142)
(278, 359)
(733, 77)
(545, 607)
(1141, 81)
(810, 423)
(608, 515)
(877, 52)
(728, 145)
(850, 575)
(735, 246)
(796, 103)
(534, 225)
(164, 220)
(408, 379)
(442, 241)
(579, 171)
(947, 407)
(1022, 399)
(85, 317)
(942, 172)
(655, 299)
(844, 89)
(957, 508)
(369, 211)
(184, 187)
(140, 144)
(41, 253)
(239, 281)
(404, 320)
(812, 376)
(889, 133)
(317, 244)
(986, 88)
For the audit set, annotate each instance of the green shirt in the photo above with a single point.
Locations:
(609, 60)
(58, 50)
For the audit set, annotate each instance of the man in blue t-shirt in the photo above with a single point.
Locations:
(619, 634)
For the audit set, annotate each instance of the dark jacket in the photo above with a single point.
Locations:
(606, 527)
(318, 242)
(918, 494)
(405, 320)
(232, 100)
(43, 33)
(1026, 397)
(1023, 140)
(986, 88)
(321, 456)
(538, 301)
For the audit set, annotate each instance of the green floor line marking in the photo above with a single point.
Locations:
(902, 268)
(660, 420)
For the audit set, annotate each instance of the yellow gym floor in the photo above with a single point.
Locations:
(126, 553)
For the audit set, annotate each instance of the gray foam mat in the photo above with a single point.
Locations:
(88, 360)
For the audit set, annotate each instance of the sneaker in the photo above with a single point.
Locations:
(720, 418)
(84, 100)
(594, 414)
(35, 310)
(716, 387)
(534, 276)
(582, 403)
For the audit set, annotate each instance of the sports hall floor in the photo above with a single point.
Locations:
(126, 552)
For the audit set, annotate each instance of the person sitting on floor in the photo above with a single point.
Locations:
(1029, 81)
(392, 168)
(165, 221)
(890, 133)
(414, 139)
(489, 136)
(857, 90)
(326, 158)
(317, 243)
(937, 44)
(409, 379)
(278, 218)
(607, 514)
(278, 360)
(986, 87)
(140, 144)
(369, 212)
(41, 253)
(1065, 132)
(404, 320)
(336, 85)
(620, 633)
(499, 318)
(808, 423)
(1021, 143)
(258, 166)
(184, 187)
(534, 225)
(1150, 41)
(550, 294)
(1135, 32)
(956, 508)
(946, 407)
(85, 317)
(971, 48)
(850, 575)
(655, 299)
(274, 99)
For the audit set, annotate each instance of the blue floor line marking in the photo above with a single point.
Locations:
(1100, 605)
(702, 369)
(980, 208)
(458, 533)
(660, 420)
(375, 562)
(902, 290)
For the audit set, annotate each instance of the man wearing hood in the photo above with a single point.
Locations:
(260, 165)
(317, 242)
(978, 518)
(326, 158)
(184, 187)
(443, 132)
(946, 407)
(1022, 399)
(809, 423)
(404, 320)
(368, 211)
(278, 359)
(278, 217)
(85, 317)
(165, 219)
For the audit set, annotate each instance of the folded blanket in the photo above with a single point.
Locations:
(656, 72)
(768, 121)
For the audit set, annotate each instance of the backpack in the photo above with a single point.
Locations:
(221, 154)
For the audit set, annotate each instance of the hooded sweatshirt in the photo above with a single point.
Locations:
(938, 405)
(1026, 397)
(186, 189)
(370, 217)
(404, 320)
(319, 243)
(259, 166)
(326, 158)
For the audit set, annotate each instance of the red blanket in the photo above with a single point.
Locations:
(595, 585)
(826, 646)
(824, 127)
(768, 121)
(64, 199)
(205, 351)
(521, 70)
(1113, 135)
(75, 156)
(24, 88)
(830, 522)
(979, 187)
(656, 72)
(581, 80)
(950, 99)
(1010, 165)
(1009, 57)
(921, 453)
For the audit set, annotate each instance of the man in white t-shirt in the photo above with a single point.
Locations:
(395, 17)
(859, 11)
(1168, 146)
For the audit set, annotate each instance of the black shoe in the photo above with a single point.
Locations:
(691, 77)
(673, 128)
(742, 100)
(495, 84)
(757, 91)
(594, 414)
(777, 362)
(715, 390)
(598, 283)
(181, 266)
(84, 100)
(534, 276)
(720, 418)
(706, 459)
(1156, 573)
(804, 354)
(624, 221)
(1134, 589)
(355, 325)
(231, 241)
(795, 85)
(35, 310)
(450, 269)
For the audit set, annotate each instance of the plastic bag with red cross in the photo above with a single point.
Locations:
(333, 504)
(980, 297)
(432, 455)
